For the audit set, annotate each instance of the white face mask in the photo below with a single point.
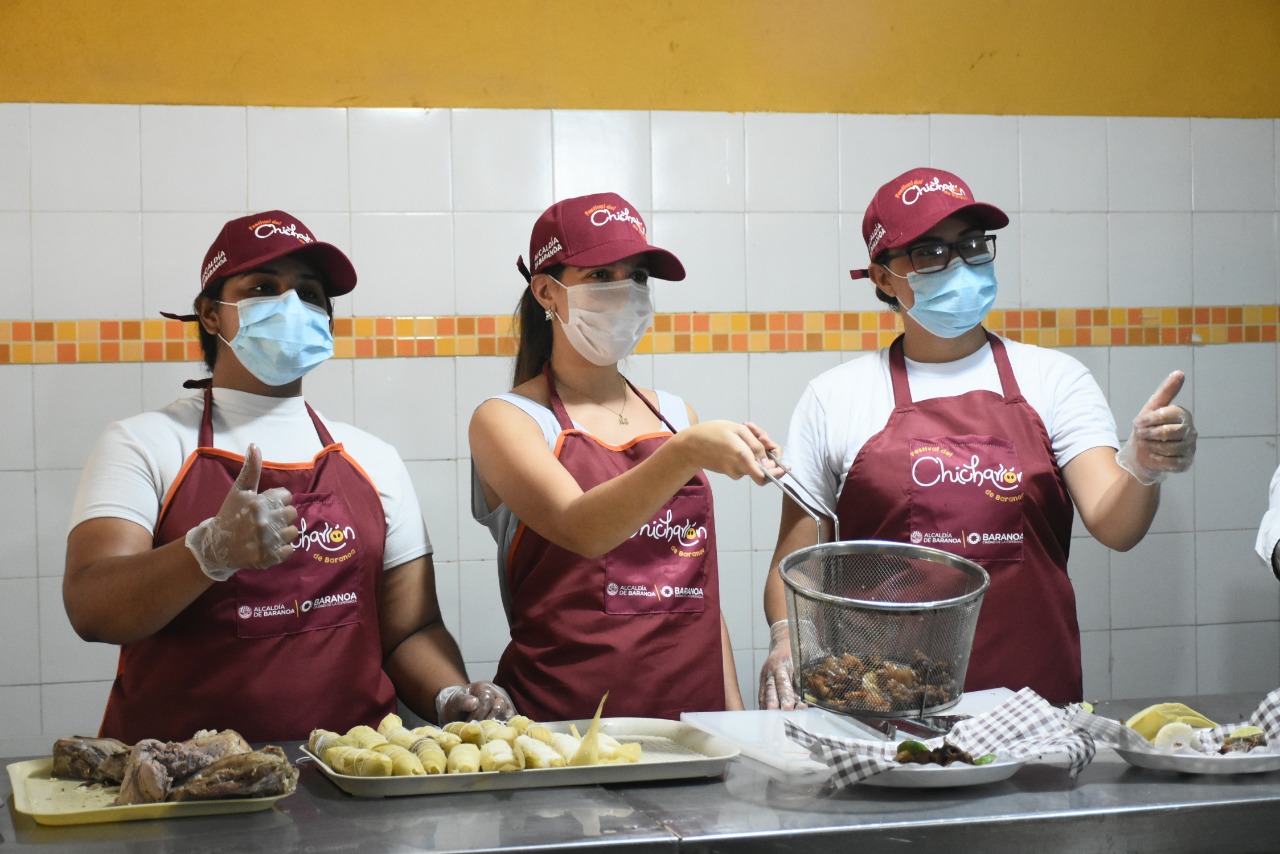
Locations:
(606, 319)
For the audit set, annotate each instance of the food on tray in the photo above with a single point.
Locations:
(872, 684)
(917, 753)
(465, 747)
(1176, 736)
(98, 759)
(1243, 739)
(1148, 722)
(209, 765)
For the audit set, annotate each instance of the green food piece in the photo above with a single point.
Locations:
(912, 747)
(985, 759)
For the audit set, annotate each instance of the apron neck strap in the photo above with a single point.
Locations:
(902, 387)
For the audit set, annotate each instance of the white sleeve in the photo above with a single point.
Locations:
(1269, 530)
(1076, 412)
(121, 480)
(806, 449)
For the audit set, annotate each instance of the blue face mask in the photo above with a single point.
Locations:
(280, 338)
(952, 301)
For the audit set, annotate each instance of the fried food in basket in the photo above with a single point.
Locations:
(871, 684)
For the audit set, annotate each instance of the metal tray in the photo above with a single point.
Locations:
(672, 750)
(51, 800)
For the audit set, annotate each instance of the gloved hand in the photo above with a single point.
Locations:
(252, 530)
(776, 690)
(1163, 438)
(473, 702)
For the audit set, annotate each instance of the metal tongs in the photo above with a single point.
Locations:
(793, 492)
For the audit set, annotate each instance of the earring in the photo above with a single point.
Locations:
(550, 314)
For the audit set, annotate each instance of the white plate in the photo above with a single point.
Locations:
(671, 751)
(938, 776)
(50, 800)
(1253, 762)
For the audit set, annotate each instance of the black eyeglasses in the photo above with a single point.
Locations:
(934, 256)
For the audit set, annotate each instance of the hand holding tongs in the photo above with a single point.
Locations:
(794, 493)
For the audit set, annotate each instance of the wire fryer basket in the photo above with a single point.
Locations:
(881, 629)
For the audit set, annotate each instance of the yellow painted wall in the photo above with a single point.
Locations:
(1217, 58)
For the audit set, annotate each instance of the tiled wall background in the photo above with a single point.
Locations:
(106, 211)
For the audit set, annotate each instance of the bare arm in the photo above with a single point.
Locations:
(118, 589)
(515, 465)
(732, 693)
(1114, 507)
(795, 531)
(419, 654)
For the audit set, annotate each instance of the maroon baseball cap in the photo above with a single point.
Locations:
(915, 202)
(592, 231)
(253, 240)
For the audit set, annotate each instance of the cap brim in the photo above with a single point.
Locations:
(981, 214)
(330, 262)
(660, 263)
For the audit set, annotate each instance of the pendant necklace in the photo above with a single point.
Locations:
(622, 419)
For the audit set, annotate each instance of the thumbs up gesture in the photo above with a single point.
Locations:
(253, 530)
(1163, 438)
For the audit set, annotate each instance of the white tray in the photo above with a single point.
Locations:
(672, 750)
(51, 800)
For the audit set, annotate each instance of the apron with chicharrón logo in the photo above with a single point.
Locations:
(975, 475)
(271, 653)
(642, 622)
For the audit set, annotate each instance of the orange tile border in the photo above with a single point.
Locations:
(36, 342)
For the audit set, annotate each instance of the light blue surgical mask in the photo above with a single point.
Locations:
(280, 338)
(950, 302)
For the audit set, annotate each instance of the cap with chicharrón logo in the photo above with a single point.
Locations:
(593, 231)
(254, 240)
(914, 202)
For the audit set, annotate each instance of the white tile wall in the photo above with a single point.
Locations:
(105, 211)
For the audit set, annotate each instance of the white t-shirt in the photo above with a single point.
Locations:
(1269, 530)
(844, 407)
(501, 521)
(136, 460)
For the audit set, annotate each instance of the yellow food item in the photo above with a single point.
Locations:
(446, 740)
(537, 754)
(431, 755)
(404, 763)
(1147, 723)
(498, 755)
(366, 737)
(358, 762)
(321, 740)
(463, 759)
(470, 732)
(1175, 736)
(499, 731)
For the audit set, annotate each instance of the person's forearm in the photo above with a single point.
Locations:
(1124, 513)
(126, 598)
(603, 517)
(732, 693)
(425, 662)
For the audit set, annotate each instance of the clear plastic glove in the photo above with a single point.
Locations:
(473, 702)
(252, 530)
(776, 689)
(1163, 438)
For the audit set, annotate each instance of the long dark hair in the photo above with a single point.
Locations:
(533, 332)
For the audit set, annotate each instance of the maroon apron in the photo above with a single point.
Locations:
(271, 653)
(975, 475)
(642, 622)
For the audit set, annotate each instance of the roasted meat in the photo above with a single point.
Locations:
(154, 767)
(259, 774)
(98, 759)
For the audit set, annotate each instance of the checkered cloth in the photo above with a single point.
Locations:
(1023, 727)
(1115, 734)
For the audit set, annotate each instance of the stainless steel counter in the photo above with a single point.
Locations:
(1111, 807)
